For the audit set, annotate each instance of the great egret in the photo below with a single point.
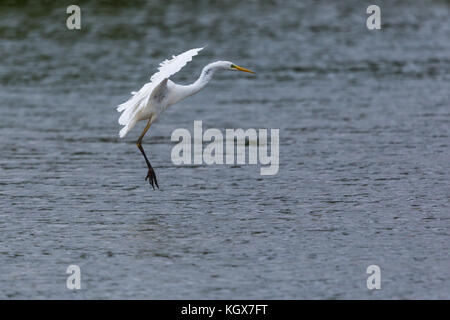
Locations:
(160, 93)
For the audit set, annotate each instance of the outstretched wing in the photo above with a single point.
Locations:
(139, 99)
(170, 67)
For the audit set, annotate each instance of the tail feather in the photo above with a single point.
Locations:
(128, 117)
(131, 108)
(123, 132)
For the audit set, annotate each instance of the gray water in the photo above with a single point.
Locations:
(364, 123)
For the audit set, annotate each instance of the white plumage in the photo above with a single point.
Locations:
(160, 93)
(140, 99)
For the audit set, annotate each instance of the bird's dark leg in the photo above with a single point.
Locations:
(151, 173)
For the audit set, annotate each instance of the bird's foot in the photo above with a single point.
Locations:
(151, 176)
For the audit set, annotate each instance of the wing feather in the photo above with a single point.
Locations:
(170, 67)
(139, 99)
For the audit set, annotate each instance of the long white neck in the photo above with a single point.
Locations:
(206, 76)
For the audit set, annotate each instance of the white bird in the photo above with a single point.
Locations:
(160, 93)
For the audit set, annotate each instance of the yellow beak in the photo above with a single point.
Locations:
(243, 69)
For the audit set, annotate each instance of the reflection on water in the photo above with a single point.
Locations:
(364, 131)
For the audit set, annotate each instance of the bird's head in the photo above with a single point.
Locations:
(227, 65)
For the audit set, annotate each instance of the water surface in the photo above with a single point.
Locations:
(364, 123)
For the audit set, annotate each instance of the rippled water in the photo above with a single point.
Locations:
(364, 123)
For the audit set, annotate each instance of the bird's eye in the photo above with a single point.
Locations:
(233, 66)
